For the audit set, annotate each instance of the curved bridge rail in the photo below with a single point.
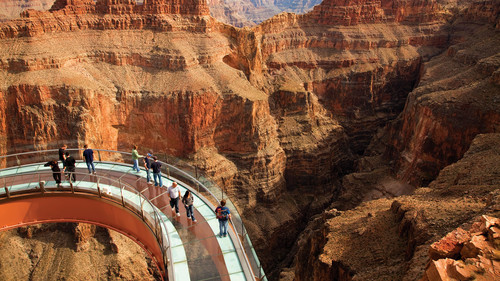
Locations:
(92, 199)
(189, 176)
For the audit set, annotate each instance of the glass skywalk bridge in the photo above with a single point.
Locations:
(190, 251)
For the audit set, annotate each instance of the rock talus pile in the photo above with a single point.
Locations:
(467, 255)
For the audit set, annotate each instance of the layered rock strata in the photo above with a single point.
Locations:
(449, 108)
(362, 79)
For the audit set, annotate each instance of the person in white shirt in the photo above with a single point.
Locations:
(175, 193)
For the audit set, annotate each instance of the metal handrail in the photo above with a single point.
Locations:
(168, 167)
(155, 226)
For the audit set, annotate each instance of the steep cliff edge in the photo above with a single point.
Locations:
(389, 239)
(361, 61)
(386, 239)
(456, 99)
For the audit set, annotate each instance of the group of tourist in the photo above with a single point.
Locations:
(222, 212)
(69, 164)
(151, 163)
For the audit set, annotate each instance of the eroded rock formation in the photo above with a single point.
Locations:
(449, 108)
(390, 238)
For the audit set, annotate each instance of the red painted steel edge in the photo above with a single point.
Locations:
(48, 208)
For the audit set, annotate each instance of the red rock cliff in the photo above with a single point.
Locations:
(72, 15)
(448, 108)
(346, 12)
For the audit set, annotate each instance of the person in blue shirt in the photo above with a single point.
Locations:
(88, 154)
(223, 215)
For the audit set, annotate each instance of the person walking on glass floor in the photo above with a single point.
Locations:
(175, 194)
(188, 201)
(56, 172)
(135, 159)
(223, 215)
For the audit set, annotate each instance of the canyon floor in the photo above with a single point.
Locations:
(72, 252)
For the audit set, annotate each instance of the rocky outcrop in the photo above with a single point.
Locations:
(315, 146)
(182, 7)
(52, 251)
(483, 11)
(342, 12)
(471, 255)
(83, 234)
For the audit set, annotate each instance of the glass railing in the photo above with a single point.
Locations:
(175, 169)
(25, 181)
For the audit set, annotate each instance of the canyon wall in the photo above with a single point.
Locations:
(390, 239)
(449, 108)
(455, 101)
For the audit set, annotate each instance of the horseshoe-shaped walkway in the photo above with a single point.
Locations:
(195, 251)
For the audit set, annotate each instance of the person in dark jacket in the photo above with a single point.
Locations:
(62, 155)
(88, 154)
(147, 165)
(56, 172)
(156, 167)
(70, 166)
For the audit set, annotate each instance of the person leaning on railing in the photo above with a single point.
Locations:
(56, 172)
